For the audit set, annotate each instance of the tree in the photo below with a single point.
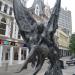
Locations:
(72, 44)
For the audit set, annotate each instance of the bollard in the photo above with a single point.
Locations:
(27, 52)
(6, 66)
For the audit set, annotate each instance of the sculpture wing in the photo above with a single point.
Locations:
(23, 18)
(53, 21)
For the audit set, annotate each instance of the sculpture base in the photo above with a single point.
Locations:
(55, 70)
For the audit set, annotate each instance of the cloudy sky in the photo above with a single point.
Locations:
(69, 4)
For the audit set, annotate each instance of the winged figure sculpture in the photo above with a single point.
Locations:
(38, 37)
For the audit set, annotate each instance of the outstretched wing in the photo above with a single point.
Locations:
(53, 21)
(23, 18)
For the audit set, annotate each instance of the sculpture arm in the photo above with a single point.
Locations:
(23, 18)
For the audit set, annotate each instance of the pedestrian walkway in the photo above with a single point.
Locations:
(69, 70)
(12, 69)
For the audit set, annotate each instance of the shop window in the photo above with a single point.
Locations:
(16, 56)
(23, 54)
(7, 54)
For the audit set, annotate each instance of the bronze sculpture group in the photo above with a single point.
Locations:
(39, 38)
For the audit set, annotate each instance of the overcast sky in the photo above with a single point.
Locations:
(69, 4)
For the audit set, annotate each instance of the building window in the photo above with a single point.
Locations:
(11, 29)
(3, 26)
(10, 11)
(37, 9)
(5, 8)
(19, 35)
(0, 5)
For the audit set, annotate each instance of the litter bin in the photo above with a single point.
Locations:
(61, 64)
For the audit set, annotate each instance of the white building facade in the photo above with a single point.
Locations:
(11, 43)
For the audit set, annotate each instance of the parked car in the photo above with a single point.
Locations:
(70, 62)
(61, 64)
